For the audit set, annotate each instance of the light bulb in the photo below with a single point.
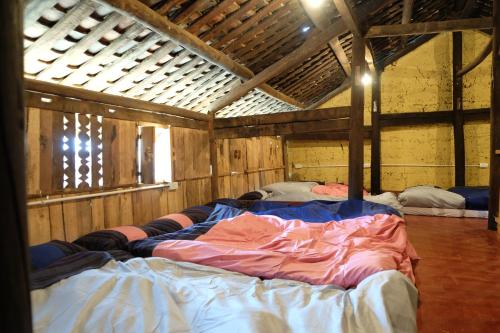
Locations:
(366, 79)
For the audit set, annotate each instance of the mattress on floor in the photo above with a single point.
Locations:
(160, 295)
(445, 212)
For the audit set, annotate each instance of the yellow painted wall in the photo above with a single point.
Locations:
(421, 81)
(477, 94)
(318, 158)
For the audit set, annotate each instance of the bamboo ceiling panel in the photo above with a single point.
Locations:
(88, 45)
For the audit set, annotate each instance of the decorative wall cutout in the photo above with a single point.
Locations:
(82, 151)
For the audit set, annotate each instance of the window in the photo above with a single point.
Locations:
(154, 155)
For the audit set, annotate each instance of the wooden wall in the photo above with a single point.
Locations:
(71, 219)
(247, 164)
(244, 165)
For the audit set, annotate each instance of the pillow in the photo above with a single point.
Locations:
(430, 197)
(111, 239)
(45, 254)
(387, 198)
(198, 214)
(254, 195)
(289, 187)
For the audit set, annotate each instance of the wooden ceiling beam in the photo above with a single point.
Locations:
(60, 90)
(349, 18)
(283, 128)
(423, 28)
(321, 21)
(284, 117)
(315, 41)
(406, 17)
(160, 24)
(354, 25)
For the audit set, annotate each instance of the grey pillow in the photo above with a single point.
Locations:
(431, 197)
(289, 187)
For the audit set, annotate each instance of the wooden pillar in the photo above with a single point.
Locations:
(285, 157)
(458, 115)
(375, 138)
(495, 122)
(214, 178)
(14, 281)
(356, 120)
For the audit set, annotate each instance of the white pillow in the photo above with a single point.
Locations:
(289, 187)
(386, 198)
(431, 197)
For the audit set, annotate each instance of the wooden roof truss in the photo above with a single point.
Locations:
(236, 57)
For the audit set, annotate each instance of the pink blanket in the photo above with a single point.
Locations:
(340, 253)
(333, 189)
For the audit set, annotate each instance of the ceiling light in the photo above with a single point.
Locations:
(366, 79)
(306, 28)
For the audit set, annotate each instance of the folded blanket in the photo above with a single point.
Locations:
(341, 253)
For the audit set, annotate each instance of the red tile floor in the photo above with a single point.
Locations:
(459, 275)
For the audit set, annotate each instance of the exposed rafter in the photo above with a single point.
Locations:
(422, 28)
(319, 16)
(310, 46)
(407, 14)
(354, 25)
(163, 26)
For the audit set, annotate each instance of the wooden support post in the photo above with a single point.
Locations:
(458, 114)
(375, 138)
(14, 281)
(495, 123)
(285, 157)
(214, 177)
(356, 120)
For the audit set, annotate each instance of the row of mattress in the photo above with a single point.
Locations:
(455, 202)
(417, 200)
(250, 265)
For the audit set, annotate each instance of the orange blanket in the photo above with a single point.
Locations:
(340, 253)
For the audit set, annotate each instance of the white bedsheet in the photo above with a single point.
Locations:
(159, 295)
(445, 212)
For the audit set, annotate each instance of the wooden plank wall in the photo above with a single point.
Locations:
(247, 164)
(71, 219)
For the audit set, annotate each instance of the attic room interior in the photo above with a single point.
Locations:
(250, 165)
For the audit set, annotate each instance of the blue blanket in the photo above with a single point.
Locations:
(322, 211)
(312, 211)
(476, 197)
